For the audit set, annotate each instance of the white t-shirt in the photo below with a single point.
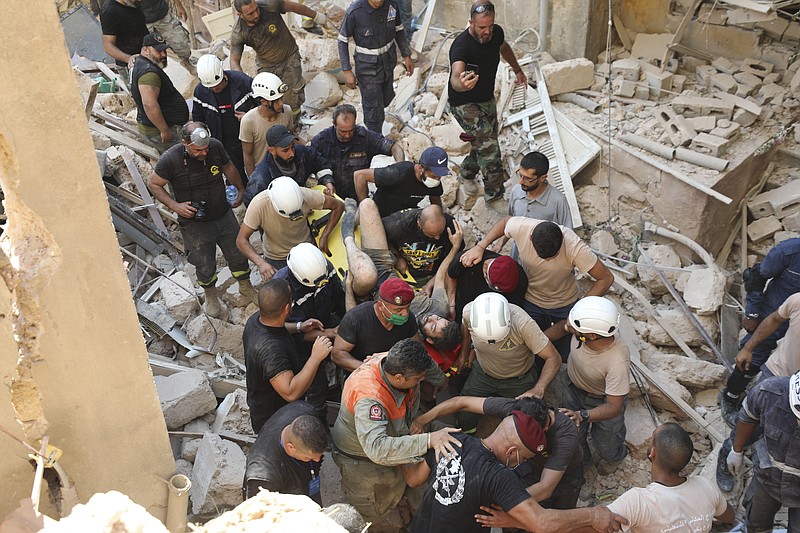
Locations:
(687, 508)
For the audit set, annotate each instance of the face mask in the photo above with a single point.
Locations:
(394, 319)
(518, 462)
(430, 182)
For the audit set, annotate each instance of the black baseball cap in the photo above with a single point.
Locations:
(280, 137)
(156, 41)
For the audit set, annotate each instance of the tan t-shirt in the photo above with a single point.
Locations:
(551, 282)
(601, 373)
(514, 355)
(687, 508)
(253, 129)
(785, 360)
(280, 233)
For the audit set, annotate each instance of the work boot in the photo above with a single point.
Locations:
(725, 479)
(471, 192)
(213, 306)
(729, 407)
(349, 218)
(496, 201)
(587, 490)
(247, 290)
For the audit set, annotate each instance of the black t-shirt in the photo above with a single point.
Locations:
(154, 10)
(458, 487)
(195, 180)
(230, 124)
(127, 24)
(487, 56)
(472, 283)
(398, 188)
(562, 438)
(423, 255)
(271, 466)
(268, 351)
(361, 328)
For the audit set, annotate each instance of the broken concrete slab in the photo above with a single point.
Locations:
(184, 396)
(725, 65)
(697, 106)
(568, 76)
(703, 124)
(217, 475)
(189, 445)
(446, 136)
(322, 91)
(703, 74)
(233, 414)
(651, 45)
(756, 67)
(675, 389)
(319, 55)
(640, 428)
(740, 102)
(662, 256)
(177, 293)
(723, 82)
(763, 228)
(627, 69)
(744, 117)
(791, 222)
(683, 327)
(781, 236)
(229, 336)
(749, 79)
(710, 144)
(603, 241)
(780, 202)
(705, 290)
(794, 84)
(771, 93)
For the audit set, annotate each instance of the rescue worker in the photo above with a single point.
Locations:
(375, 26)
(220, 101)
(159, 18)
(268, 89)
(371, 434)
(781, 267)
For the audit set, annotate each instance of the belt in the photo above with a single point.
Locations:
(336, 449)
(374, 51)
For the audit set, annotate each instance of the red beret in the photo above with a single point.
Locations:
(503, 274)
(530, 432)
(396, 291)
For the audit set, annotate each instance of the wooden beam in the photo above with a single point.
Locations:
(422, 33)
(676, 39)
(122, 138)
(624, 36)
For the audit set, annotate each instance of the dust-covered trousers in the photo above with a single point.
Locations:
(480, 120)
(201, 240)
(171, 29)
(291, 73)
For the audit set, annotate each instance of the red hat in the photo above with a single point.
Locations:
(503, 274)
(530, 432)
(396, 291)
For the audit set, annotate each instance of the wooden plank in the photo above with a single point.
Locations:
(110, 74)
(624, 36)
(128, 195)
(120, 123)
(121, 138)
(442, 103)
(676, 39)
(422, 33)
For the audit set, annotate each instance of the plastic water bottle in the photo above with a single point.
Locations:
(231, 194)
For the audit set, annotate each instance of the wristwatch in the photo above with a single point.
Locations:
(752, 315)
(584, 415)
(299, 325)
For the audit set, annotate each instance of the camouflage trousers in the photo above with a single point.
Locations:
(480, 120)
(291, 73)
(176, 36)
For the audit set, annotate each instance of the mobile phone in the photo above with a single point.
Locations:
(471, 67)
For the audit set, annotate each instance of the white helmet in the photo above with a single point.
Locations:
(286, 197)
(209, 70)
(307, 263)
(267, 85)
(490, 317)
(594, 314)
(794, 394)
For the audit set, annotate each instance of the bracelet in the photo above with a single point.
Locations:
(429, 440)
(478, 244)
(299, 324)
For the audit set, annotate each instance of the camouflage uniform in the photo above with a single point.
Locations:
(176, 35)
(291, 73)
(480, 120)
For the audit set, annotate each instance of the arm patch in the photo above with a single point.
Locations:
(376, 412)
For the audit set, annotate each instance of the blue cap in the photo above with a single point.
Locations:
(435, 158)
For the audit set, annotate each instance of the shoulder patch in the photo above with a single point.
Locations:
(376, 412)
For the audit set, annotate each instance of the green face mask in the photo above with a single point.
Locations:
(393, 318)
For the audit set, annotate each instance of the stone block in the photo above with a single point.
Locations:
(627, 69)
(693, 373)
(678, 81)
(772, 77)
(703, 75)
(233, 414)
(748, 78)
(705, 290)
(447, 136)
(682, 326)
(679, 131)
(177, 293)
(642, 91)
(217, 475)
(603, 241)
(763, 228)
(744, 117)
(322, 91)
(189, 445)
(426, 103)
(771, 93)
(781, 236)
(319, 55)
(791, 222)
(710, 144)
(229, 336)
(780, 202)
(622, 87)
(724, 65)
(726, 129)
(705, 124)
(675, 389)
(756, 67)
(697, 106)
(189, 449)
(639, 427)
(184, 396)
(568, 76)
(657, 80)
(794, 84)
(184, 467)
(723, 82)
(662, 256)
(743, 90)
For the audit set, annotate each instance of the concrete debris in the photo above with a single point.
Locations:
(568, 76)
(692, 373)
(763, 228)
(705, 290)
(780, 202)
(189, 445)
(233, 414)
(323, 91)
(603, 242)
(178, 295)
(184, 396)
(217, 475)
(682, 325)
(229, 336)
(319, 55)
(662, 256)
(415, 143)
(116, 103)
(639, 427)
(184, 467)
(426, 103)
(446, 136)
(664, 402)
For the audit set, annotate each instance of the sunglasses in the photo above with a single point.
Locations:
(483, 8)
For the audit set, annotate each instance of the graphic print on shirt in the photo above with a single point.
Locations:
(421, 256)
(449, 482)
(509, 344)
